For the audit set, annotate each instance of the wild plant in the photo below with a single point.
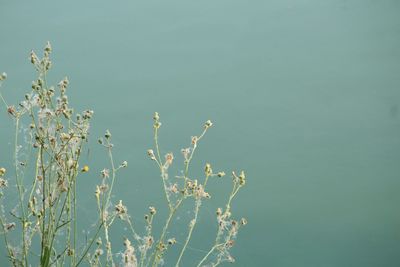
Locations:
(41, 229)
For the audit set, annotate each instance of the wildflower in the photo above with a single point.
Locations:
(85, 168)
(34, 57)
(171, 241)
(3, 183)
(129, 254)
(105, 173)
(208, 170)
(120, 208)
(242, 178)
(185, 152)
(152, 210)
(221, 174)
(194, 140)
(99, 252)
(219, 212)
(156, 117)
(243, 221)
(2, 171)
(169, 158)
(10, 226)
(3, 76)
(150, 152)
(124, 164)
(11, 110)
(208, 124)
(107, 135)
(47, 48)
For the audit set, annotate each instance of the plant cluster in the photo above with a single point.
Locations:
(42, 228)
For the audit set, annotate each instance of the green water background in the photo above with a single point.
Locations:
(305, 96)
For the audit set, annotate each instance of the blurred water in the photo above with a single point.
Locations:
(304, 95)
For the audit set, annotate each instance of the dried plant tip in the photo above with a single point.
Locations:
(152, 210)
(221, 174)
(2, 171)
(85, 168)
(243, 221)
(208, 124)
(98, 241)
(3, 76)
(39, 178)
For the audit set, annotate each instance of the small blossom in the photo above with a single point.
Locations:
(85, 168)
(120, 208)
(3, 76)
(208, 124)
(150, 153)
(171, 241)
(105, 173)
(124, 164)
(169, 158)
(207, 169)
(152, 210)
(221, 174)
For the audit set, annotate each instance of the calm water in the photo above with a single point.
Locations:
(305, 96)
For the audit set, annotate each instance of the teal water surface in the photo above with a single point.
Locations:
(304, 96)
